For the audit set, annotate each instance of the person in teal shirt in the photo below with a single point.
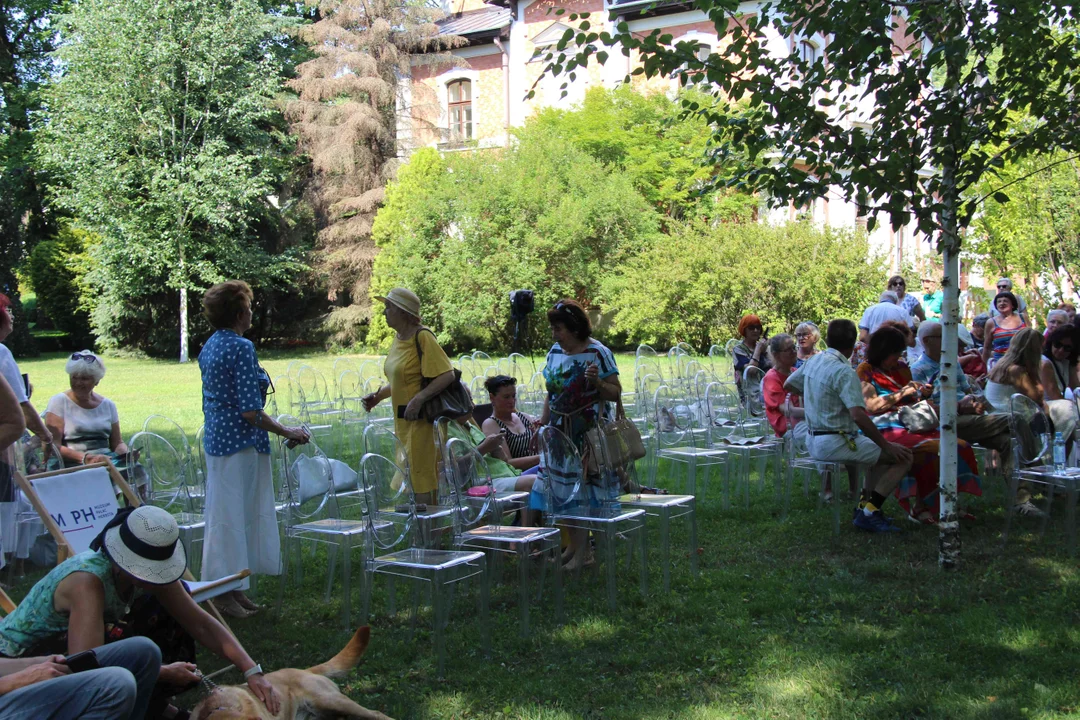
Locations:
(931, 299)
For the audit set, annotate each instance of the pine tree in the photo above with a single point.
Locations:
(346, 114)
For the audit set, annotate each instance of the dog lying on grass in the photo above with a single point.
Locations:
(303, 693)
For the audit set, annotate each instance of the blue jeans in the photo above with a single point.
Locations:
(119, 690)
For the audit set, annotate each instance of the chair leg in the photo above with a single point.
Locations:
(523, 587)
(745, 471)
(346, 583)
(438, 602)
(485, 625)
(1070, 518)
(282, 579)
(644, 572)
(665, 547)
(365, 593)
(609, 564)
(1050, 487)
(558, 573)
(331, 565)
(692, 519)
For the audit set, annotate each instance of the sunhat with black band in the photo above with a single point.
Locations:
(144, 543)
(404, 299)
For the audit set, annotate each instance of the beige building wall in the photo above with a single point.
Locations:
(430, 99)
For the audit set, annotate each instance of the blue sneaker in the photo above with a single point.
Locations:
(876, 523)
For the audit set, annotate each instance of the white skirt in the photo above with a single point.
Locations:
(241, 523)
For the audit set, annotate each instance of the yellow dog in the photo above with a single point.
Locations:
(310, 692)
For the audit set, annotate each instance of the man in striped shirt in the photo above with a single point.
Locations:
(836, 412)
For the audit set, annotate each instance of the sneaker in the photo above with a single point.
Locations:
(1028, 509)
(875, 522)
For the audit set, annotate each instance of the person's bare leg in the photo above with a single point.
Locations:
(888, 477)
(579, 551)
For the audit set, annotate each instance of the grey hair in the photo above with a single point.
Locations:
(926, 327)
(890, 297)
(776, 344)
(1004, 280)
(980, 320)
(814, 330)
(1057, 312)
(82, 368)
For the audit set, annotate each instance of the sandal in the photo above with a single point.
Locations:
(922, 516)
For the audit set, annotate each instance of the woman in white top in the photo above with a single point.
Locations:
(1059, 379)
(84, 424)
(1018, 371)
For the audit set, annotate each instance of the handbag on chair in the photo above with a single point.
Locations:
(453, 401)
(920, 417)
(621, 440)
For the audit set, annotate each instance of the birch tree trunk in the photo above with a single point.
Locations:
(948, 524)
(183, 312)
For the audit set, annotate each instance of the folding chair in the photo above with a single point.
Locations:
(76, 503)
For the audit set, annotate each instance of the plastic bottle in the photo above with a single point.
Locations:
(1059, 452)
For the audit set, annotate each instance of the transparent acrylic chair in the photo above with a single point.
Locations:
(571, 503)
(754, 427)
(673, 427)
(507, 503)
(1032, 442)
(390, 552)
(663, 508)
(311, 514)
(477, 525)
(434, 521)
(170, 476)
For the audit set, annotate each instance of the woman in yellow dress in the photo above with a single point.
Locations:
(404, 370)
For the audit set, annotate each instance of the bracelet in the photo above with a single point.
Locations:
(255, 669)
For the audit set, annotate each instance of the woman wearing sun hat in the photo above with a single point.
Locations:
(405, 368)
(137, 555)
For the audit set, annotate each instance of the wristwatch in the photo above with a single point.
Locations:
(255, 669)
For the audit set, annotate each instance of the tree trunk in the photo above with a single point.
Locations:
(948, 525)
(183, 311)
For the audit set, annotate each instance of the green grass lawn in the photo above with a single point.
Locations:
(784, 621)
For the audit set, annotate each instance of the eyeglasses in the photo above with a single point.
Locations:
(85, 357)
(897, 284)
(802, 336)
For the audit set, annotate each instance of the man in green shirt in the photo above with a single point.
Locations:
(931, 299)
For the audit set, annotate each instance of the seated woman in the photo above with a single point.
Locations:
(1059, 379)
(131, 576)
(782, 409)
(999, 331)
(504, 476)
(1018, 371)
(517, 429)
(887, 386)
(807, 336)
(751, 349)
(85, 425)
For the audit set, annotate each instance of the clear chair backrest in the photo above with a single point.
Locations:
(350, 389)
(312, 383)
(387, 528)
(1030, 430)
(753, 395)
(561, 471)
(722, 404)
(170, 430)
(471, 488)
(309, 479)
(381, 440)
(644, 351)
(167, 471)
(519, 367)
(673, 419)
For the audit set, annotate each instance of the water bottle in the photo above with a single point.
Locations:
(1059, 452)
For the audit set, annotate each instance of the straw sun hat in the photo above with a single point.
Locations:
(145, 544)
(404, 299)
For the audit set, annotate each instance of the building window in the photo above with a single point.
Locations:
(807, 52)
(459, 107)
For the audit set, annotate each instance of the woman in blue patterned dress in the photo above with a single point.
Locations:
(582, 379)
(241, 521)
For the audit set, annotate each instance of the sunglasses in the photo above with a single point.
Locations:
(86, 358)
(802, 336)
(897, 284)
(1067, 348)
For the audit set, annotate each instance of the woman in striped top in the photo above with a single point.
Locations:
(518, 429)
(1000, 329)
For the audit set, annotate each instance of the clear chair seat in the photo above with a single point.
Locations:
(427, 559)
(646, 501)
(599, 515)
(336, 526)
(676, 452)
(190, 520)
(511, 534)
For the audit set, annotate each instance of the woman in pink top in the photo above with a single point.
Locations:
(783, 354)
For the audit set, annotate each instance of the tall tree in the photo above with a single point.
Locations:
(901, 108)
(161, 128)
(27, 36)
(348, 106)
